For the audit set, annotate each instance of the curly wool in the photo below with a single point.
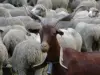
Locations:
(26, 54)
(90, 33)
(7, 5)
(14, 36)
(4, 12)
(3, 56)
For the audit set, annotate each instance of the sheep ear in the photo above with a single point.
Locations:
(1, 31)
(32, 15)
(33, 31)
(59, 32)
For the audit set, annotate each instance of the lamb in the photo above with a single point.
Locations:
(14, 36)
(27, 54)
(4, 12)
(71, 39)
(91, 36)
(19, 11)
(73, 4)
(3, 54)
(26, 21)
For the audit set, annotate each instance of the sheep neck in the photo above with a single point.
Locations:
(54, 51)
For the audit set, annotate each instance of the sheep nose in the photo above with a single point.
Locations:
(44, 44)
(44, 47)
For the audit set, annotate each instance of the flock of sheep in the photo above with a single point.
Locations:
(20, 44)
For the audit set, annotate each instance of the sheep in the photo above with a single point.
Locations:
(73, 4)
(10, 21)
(60, 4)
(32, 2)
(93, 12)
(41, 10)
(71, 39)
(82, 15)
(27, 54)
(4, 12)
(53, 4)
(3, 54)
(7, 5)
(42, 6)
(26, 21)
(61, 9)
(17, 3)
(19, 11)
(7, 28)
(29, 23)
(90, 34)
(47, 3)
(88, 4)
(51, 13)
(19, 20)
(14, 36)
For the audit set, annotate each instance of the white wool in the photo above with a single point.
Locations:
(66, 40)
(62, 12)
(70, 39)
(35, 36)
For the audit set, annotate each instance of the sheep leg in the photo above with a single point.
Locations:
(1, 72)
(8, 63)
(38, 71)
(22, 72)
(14, 74)
(41, 71)
(88, 44)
